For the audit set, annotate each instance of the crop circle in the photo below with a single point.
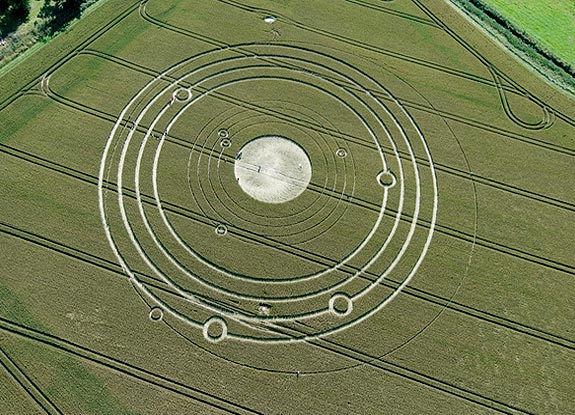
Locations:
(221, 230)
(340, 304)
(182, 94)
(223, 133)
(341, 153)
(226, 142)
(302, 237)
(386, 179)
(156, 314)
(215, 329)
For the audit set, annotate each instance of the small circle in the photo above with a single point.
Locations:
(223, 133)
(270, 19)
(386, 179)
(341, 153)
(226, 142)
(215, 329)
(264, 309)
(156, 314)
(221, 230)
(340, 304)
(182, 94)
(272, 169)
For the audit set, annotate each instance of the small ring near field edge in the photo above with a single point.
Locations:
(215, 320)
(156, 314)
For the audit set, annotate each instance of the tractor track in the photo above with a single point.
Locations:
(27, 385)
(356, 140)
(443, 229)
(110, 265)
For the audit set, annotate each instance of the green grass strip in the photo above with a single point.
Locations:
(551, 23)
(523, 41)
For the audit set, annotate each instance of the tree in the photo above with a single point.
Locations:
(56, 14)
(12, 14)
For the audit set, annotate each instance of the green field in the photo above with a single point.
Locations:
(151, 262)
(550, 22)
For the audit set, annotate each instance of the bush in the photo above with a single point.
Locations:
(12, 14)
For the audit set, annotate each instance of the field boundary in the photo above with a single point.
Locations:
(39, 43)
(25, 73)
(531, 52)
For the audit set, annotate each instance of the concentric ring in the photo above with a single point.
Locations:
(206, 283)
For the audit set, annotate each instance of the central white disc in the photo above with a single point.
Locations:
(272, 169)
